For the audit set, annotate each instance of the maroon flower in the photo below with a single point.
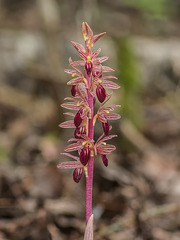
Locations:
(105, 126)
(77, 118)
(104, 159)
(102, 147)
(100, 93)
(85, 155)
(77, 174)
(73, 90)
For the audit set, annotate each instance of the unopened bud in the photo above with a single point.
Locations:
(85, 155)
(101, 93)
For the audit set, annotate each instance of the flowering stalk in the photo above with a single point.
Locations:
(89, 179)
(85, 89)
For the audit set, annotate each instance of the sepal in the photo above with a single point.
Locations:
(67, 165)
(108, 84)
(67, 124)
(73, 147)
(105, 149)
(96, 37)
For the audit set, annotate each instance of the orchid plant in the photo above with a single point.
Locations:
(86, 88)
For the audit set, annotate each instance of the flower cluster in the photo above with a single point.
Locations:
(86, 88)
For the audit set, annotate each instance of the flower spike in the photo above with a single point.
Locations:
(88, 83)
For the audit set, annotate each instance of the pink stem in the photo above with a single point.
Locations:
(89, 179)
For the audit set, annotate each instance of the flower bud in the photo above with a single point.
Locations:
(77, 174)
(88, 67)
(77, 118)
(105, 127)
(73, 90)
(85, 155)
(104, 159)
(78, 131)
(101, 93)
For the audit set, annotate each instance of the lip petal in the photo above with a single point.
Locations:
(104, 159)
(77, 118)
(73, 147)
(100, 93)
(85, 155)
(77, 174)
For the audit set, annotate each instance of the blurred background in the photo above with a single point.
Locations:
(137, 196)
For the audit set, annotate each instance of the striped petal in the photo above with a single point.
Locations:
(95, 53)
(73, 147)
(108, 138)
(70, 71)
(103, 59)
(102, 118)
(75, 140)
(78, 46)
(72, 164)
(77, 63)
(109, 77)
(110, 108)
(70, 105)
(80, 49)
(112, 116)
(74, 81)
(96, 37)
(67, 124)
(86, 30)
(105, 149)
(99, 60)
(108, 84)
(71, 99)
(107, 69)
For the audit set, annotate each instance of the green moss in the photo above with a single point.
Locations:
(4, 154)
(129, 78)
